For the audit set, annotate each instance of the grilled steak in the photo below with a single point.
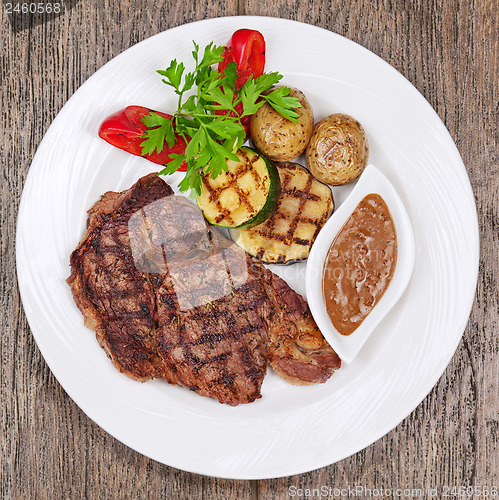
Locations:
(170, 297)
(116, 299)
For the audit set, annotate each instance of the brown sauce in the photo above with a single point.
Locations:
(360, 264)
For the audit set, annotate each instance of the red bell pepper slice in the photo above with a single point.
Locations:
(124, 130)
(247, 49)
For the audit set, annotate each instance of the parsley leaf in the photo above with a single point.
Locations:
(231, 75)
(222, 96)
(212, 54)
(283, 103)
(174, 165)
(224, 127)
(173, 74)
(160, 130)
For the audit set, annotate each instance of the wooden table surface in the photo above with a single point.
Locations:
(449, 50)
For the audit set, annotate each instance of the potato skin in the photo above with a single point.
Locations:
(278, 138)
(338, 150)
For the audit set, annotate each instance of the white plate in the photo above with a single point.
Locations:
(371, 181)
(291, 429)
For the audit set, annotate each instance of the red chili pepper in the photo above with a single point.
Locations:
(247, 49)
(124, 130)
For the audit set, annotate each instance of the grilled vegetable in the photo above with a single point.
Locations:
(244, 195)
(247, 49)
(125, 130)
(304, 206)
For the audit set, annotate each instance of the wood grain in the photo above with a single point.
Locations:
(449, 51)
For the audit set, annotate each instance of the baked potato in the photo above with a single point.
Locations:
(338, 150)
(278, 138)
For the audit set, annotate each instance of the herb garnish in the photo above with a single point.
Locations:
(211, 138)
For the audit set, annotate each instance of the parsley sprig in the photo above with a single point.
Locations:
(207, 116)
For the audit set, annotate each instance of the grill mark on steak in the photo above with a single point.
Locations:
(170, 297)
(211, 339)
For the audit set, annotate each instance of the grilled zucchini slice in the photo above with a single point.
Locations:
(244, 195)
(304, 206)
